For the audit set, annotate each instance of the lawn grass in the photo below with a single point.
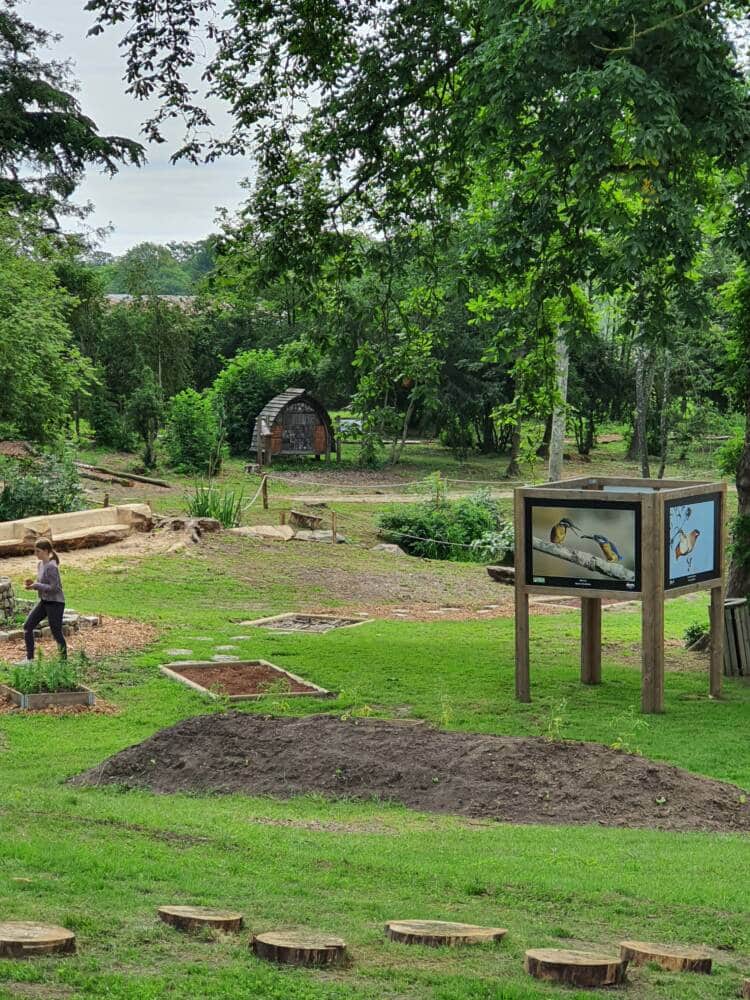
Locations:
(100, 861)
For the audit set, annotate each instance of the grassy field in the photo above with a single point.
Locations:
(100, 861)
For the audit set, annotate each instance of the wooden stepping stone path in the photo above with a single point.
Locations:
(575, 968)
(195, 918)
(671, 957)
(441, 932)
(26, 939)
(299, 948)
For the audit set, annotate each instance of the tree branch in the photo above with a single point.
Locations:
(654, 27)
(584, 559)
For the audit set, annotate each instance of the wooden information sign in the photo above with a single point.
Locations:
(621, 539)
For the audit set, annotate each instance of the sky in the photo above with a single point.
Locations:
(159, 202)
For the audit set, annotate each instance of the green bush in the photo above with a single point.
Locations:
(443, 530)
(192, 438)
(693, 633)
(242, 389)
(496, 546)
(47, 485)
(729, 455)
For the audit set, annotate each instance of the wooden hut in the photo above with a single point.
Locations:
(293, 423)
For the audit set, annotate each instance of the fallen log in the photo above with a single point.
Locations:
(98, 477)
(125, 475)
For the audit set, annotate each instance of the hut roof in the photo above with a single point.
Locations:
(271, 411)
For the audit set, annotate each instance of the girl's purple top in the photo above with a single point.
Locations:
(48, 583)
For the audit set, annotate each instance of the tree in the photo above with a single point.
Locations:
(41, 369)
(46, 142)
(145, 413)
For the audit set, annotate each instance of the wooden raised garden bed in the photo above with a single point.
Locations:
(49, 699)
(247, 680)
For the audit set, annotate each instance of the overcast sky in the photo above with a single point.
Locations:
(159, 202)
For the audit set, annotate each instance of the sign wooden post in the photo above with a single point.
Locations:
(621, 539)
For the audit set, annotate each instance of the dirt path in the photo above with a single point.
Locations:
(503, 778)
(375, 498)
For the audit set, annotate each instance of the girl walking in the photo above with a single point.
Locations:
(51, 599)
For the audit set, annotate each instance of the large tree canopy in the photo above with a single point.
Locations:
(46, 142)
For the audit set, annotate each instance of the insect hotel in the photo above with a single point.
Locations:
(293, 423)
(620, 539)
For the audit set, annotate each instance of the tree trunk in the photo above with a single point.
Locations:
(644, 380)
(664, 417)
(543, 449)
(739, 568)
(514, 469)
(398, 445)
(559, 414)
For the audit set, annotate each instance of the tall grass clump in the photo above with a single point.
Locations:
(208, 500)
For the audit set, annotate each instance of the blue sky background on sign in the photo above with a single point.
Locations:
(691, 554)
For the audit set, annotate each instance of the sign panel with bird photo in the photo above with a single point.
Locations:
(583, 544)
(692, 540)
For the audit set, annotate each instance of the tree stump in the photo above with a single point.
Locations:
(441, 932)
(576, 968)
(26, 939)
(746, 989)
(299, 948)
(671, 957)
(194, 918)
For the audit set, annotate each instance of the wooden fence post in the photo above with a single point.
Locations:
(264, 492)
(333, 527)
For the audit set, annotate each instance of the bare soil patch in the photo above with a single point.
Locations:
(243, 679)
(503, 778)
(114, 635)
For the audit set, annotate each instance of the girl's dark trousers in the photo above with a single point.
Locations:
(53, 612)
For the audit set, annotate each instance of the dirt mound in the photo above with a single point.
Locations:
(503, 778)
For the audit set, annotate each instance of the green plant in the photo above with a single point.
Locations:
(555, 721)
(145, 412)
(628, 726)
(496, 545)
(243, 388)
(43, 675)
(192, 437)
(442, 529)
(207, 500)
(693, 632)
(46, 485)
(728, 455)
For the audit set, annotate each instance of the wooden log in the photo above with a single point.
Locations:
(299, 948)
(299, 519)
(502, 574)
(746, 989)
(101, 478)
(27, 939)
(125, 475)
(441, 932)
(194, 918)
(671, 957)
(575, 968)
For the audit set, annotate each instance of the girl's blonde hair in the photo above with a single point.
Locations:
(46, 546)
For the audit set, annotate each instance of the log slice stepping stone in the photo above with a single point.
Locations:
(299, 948)
(441, 932)
(746, 990)
(193, 918)
(26, 939)
(179, 652)
(672, 957)
(225, 649)
(576, 968)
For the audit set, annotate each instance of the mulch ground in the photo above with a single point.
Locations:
(503, 778)
(114, 635)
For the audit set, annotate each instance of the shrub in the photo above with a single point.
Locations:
(109, 425)
(497, 546)
(729, 455)
(242, 389)
(208, 500)
(440, 530)
(145, 412)
(693, 633)
(48, 485)
(192, 438)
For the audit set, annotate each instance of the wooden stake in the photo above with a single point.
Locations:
(299, 948)
(672, 958)
(333, 527)
(440, 932)
(282, 517)
(264, 492)
(717, 641)
(26, 939)
(195, 918)
(575, 968)
(106, 500)
(652, 605)
(591, 640)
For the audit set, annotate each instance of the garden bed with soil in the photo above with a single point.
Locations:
(291, 622)
(245, 681)
(503, 778)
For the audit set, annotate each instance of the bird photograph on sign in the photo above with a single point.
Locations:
(576, 544)
(692, 540)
